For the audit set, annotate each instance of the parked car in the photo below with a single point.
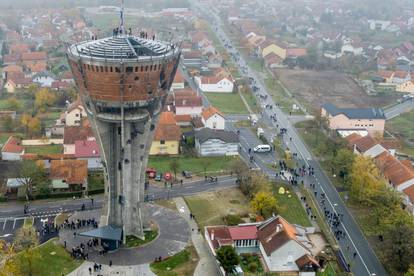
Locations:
(158, 177)
(151, 172)
(187, 174)
(168, 176)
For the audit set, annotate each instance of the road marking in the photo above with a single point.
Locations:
(4, 225)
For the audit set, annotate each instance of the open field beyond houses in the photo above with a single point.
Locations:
(317, 87)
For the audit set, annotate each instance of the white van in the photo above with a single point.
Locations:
(262, 148)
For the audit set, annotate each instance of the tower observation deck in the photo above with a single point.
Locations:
(123, 81)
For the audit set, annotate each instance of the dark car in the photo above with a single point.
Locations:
(158, 177)
(187, 174)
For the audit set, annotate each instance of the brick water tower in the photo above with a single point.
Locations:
(123, 81)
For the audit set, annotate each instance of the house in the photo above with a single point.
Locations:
(10, 59)
(167, 136)
(192, 59)
(88, 150)
(33, 57)
(351, 49)
(400, 77)
(187, 102)
(12, 149)
(10, 69)
(178, 82)
(19, 48)
(59, 85)
(370, 119)
(209, 142)
(273, 61)
(406, 87)
(213, 118)
(74, 114)
(14, 83)
(214, 84)
(296, 52)
(378, 25)
(37, 67)
(283, 247)
(367, 145)
(75, 133)
(268, 47)
(69, 174)
(44, 79)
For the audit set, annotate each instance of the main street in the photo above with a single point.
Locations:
(354, 246)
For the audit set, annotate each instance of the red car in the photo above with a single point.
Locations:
(167, 176)
(151, 172)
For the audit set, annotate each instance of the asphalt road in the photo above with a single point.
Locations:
(365, 261)
(396, 110)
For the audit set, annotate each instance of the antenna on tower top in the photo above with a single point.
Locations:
(122, 27)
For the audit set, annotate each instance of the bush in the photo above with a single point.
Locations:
(232, 220)
(252, 267)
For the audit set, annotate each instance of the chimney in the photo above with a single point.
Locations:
(212, 235)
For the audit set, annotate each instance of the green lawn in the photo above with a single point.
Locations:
(192, 164)
(290, 207)
(229, 103)
(329, 270)
(49, 259)
(402, 126)
(182, 263)
(210, 208)
(279, 95)
(132, 241)
(49, 149)
(95, 181)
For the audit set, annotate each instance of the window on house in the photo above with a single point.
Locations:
(129, 69)
(162, 142)
(117, 69)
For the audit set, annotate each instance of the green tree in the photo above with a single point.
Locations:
(238, 167)
(7, 124)
(410, 271)
(175, 166)
(400, 246)
(342, 163)
(264, 204)
(228, 258)
(44, 98)
(205, 163)
(31, 174)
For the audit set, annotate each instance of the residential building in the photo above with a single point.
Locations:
(268, 47)
(167, 136)
(12, 149)
(187, 102)
(73, 134)
(192, 59)
(69, 174)
(213, 118)
(15, 82)
(214, 84)
(209, 142)
(74, 115)
(44, 79)
(178, 82)
(370, 119)
(88, 150)
(283, 247)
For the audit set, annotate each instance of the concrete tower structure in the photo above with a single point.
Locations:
(123, 81)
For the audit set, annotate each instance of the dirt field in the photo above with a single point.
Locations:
(314, 88)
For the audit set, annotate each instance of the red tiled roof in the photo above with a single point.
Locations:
(210, 111)
(167, 118)
(19, 48)
(59, 85)
(34, 56)
(365, 143)
(352, 138)
(167, 132)
(72, 171)
(410, 193)
(275, 233)
(400, 74)
(10, 58)
(37, 67)
(13, 68)
(75, 133)
(219, 236)
(183, 118)
(247, 232)
(86, 148)
(296, 52)
(385, 74)
(193, 101)
(393, 170)
(13, 145)
(186, 92)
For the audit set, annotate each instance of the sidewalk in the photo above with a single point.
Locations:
(207, 263)
(133, 270)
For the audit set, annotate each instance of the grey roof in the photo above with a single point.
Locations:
(355, 113)
(108, 232)
(206, 133)
(121, 47)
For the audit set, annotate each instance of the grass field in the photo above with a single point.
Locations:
(95, 181)
(193, 164)
(49, 259)
(49, 149)
(209, 208)
(229, 103)
(182, 263)
(132, 241)
(290, 207)
(329, 270)
(279, 96)
(402, 127)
